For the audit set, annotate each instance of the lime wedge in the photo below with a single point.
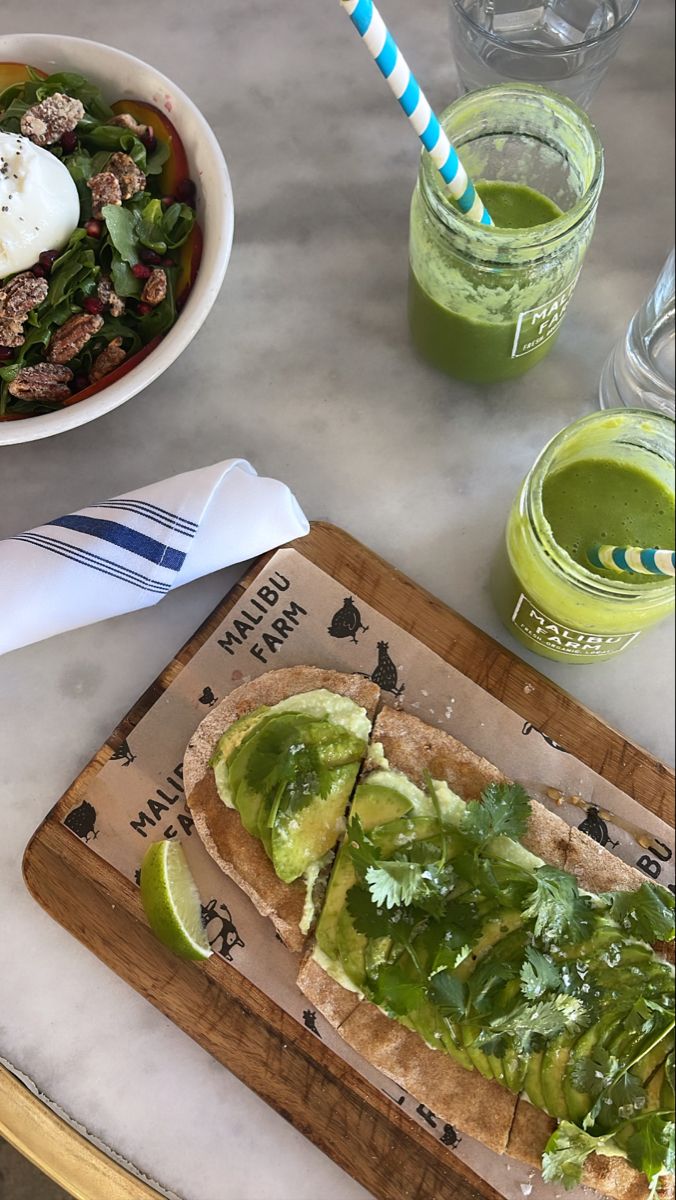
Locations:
(171, 901)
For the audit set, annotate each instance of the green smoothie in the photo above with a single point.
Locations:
(607, 478)
(482, 351)
(615, 503)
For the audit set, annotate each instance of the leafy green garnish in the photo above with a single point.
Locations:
(503, 811)
(567, 1151)
(395, 883)
(539, 974)
(647, 914)
(288, 767)
(652, 1147)
(530, 1026)
(449, 994)
(557, 909)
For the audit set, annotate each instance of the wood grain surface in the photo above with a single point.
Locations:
(320, 1094)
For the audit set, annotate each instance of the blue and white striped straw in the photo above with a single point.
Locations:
(633, 561)
(388, 57)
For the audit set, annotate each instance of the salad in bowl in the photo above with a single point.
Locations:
(99, 241)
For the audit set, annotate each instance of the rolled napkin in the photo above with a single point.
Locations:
(128, 552)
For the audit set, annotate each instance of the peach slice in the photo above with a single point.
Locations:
(175, 169)
(11, 73)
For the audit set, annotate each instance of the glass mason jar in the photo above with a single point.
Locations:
(547, 600)
(485, 304)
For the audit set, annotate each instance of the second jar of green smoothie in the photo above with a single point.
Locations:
(486, 304)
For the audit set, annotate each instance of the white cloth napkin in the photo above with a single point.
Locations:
(126, 553)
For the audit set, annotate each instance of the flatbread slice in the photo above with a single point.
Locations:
(240, 855)
(481, 1108)
(614, 1177)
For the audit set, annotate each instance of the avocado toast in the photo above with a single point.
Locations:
(268, 776)
(457, 937)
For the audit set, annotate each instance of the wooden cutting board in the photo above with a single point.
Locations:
(322, 1096)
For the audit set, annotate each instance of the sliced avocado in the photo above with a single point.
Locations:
(577, 1103)
(227, 744)
(351, 947)
(554, 1063)
(514, 1067)
(299, 838)
(427, 1021)
(377, 805)
(342, 878)
(479, 1060)
(532, 1083)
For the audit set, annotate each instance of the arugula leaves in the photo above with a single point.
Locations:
(557, 909)
(504, 811)
(647, 914)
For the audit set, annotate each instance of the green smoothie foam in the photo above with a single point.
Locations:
(457, 339)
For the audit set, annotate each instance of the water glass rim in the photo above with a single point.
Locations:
(545, 51)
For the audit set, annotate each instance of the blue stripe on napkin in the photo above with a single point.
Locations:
(94, 561)
(160, 515)
(128, 539)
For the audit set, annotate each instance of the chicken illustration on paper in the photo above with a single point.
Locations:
(82, 821)
(123, 754)
(208, 698)
(347, 622)
(596, 828)
(385, 673)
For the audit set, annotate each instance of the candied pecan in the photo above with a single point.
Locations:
(45, 123)
(69, 340)
(130, 177)
(11, 333)
(105, 189)
(126, 121)
(107, 360)
(45, 381)
(109, 297)
(155, 288)
(21, 295)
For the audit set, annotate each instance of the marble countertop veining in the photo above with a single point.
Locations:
(304, 366)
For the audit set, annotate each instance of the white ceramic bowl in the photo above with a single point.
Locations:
(121, 76)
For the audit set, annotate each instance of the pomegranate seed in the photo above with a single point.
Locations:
(167, 201)
(69, 141)
(149, 256)
(6, 353)
(186, 192)
(149, 140)
(93, 305)
(80, 381)
(48, 258)
(143, 309)
(38, 271)
(94, 228)
(141, 271)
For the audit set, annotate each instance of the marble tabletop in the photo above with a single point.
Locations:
(305, 368)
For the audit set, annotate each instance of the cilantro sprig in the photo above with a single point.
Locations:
(557, 909)
(503, 811)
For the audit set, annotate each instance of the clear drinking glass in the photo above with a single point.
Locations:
(566, 45)
(639, 372)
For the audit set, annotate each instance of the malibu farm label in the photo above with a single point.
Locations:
(549, 633)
